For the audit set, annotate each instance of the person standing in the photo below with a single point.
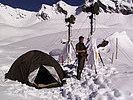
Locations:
(82, 56)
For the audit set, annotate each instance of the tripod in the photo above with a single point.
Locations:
(69, 45)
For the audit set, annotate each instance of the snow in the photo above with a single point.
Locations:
(65, 6)
(126, 3)
(113, 82)
(108, 3)
(17, 17)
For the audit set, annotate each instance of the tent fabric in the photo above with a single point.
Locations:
(53, 72)
(33, 75)
(33, 61)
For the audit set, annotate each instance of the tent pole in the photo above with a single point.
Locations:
(112, 58)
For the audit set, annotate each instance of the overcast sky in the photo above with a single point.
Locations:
(34, 5)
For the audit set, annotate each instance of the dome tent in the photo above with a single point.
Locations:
(38, 69)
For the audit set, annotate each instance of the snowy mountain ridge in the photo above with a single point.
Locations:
(16, 17)
(118, 6)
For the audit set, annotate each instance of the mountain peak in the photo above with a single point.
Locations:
(35, 5)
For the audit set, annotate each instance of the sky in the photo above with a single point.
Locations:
(35, 5)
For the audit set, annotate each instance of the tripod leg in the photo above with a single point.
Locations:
(101, 59)
(91, 66)
(73, 48)
(95, 69)
(75, 61)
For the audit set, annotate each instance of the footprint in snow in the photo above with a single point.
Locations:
(131, 94)
(97, 81)
(116, 93)
(109, 96)
(93, 95)
(102, 86)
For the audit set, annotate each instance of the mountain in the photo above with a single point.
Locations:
(22, 18)
(35, 5)
(118, 6)
(16, 17)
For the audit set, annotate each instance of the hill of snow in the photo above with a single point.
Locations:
(16, 17)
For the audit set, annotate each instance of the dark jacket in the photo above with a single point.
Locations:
(81, 46)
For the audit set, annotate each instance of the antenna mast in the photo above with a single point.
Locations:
(92, 8)
(70, 20)
(91, 17)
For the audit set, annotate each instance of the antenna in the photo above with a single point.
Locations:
(94, 10)
(70, 20)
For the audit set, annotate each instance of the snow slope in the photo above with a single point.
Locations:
(16, 17)
(113, 82)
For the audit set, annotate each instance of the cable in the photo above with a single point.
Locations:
(57, 38)
(126, 55)
(122, 51)
(80, 27)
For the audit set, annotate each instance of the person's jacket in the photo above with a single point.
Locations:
(81, 46)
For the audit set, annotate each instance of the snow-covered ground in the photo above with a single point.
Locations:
(113, 82)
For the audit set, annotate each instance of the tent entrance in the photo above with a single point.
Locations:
(44, 78)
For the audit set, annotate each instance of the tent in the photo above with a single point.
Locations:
(38, 69)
